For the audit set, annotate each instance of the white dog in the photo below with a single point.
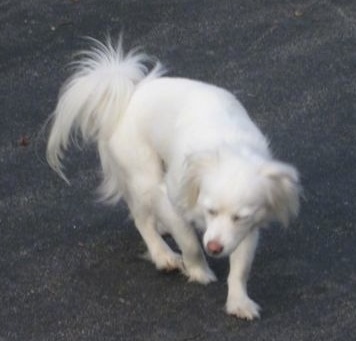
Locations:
(181, 153)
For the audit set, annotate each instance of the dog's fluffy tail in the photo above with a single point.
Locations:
(94, 98)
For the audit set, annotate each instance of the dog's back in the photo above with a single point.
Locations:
(179, 116)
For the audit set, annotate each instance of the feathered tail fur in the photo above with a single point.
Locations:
(94, 98)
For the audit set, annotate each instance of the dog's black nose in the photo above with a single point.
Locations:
(214, 247)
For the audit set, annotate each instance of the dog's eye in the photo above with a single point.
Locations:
(235, 218)
(212, 212)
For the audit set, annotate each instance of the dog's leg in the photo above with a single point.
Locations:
(238, 303)
(195, 265)
(141, 184)
(158, 251)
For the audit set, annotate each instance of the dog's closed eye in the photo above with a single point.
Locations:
(235, 218)
(212, 212)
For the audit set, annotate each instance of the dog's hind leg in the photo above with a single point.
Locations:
(159, 252)
(140, 197)
(195, 265)
(140, 173)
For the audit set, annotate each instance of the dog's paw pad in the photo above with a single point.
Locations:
(244, 309)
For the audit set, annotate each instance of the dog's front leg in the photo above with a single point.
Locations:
(238, 302)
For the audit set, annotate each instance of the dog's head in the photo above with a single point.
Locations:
(235, 194)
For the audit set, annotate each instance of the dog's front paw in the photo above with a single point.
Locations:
(243, 308)
(202, 275)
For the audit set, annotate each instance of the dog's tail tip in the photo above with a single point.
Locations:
(54, 159)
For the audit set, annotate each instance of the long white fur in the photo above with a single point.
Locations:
(95, 97)
(177, 151)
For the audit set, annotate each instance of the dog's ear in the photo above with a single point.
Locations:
(283, 191)
(194, 167)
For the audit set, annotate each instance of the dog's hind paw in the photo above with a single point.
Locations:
(168, 262)
(201, 275)
(243, 308)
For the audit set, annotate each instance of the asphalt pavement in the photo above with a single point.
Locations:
(70, 267)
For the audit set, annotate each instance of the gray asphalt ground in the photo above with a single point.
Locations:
(69, 267)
